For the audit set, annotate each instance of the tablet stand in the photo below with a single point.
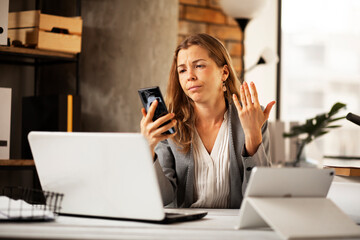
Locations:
(297, 218)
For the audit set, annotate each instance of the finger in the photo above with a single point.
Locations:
(143, 111)
(242, 96)
(151, 110)
(254, 93)
(268, 109)
(237, 103)
(164, 128)
(247, 94)
(143, 119)
(164, 137)
(163, 119)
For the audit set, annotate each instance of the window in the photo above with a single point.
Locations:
(321, 66)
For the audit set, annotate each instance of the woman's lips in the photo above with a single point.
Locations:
(194, 88)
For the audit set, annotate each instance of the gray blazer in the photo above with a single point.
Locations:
(175, 170)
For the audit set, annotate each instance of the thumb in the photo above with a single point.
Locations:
(143, 111)
(268, 109)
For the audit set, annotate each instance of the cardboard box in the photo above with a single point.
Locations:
(5, 122)
(44, 31)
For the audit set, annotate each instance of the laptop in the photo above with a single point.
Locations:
(102, 175)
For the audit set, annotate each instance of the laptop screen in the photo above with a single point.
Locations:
(100, 174)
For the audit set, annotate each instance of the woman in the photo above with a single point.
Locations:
(218, 140)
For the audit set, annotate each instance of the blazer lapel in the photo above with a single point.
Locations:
(235, 170)
(190, 173)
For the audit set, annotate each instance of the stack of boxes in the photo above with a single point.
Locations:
(44, 31)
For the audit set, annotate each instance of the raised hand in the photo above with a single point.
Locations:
(251, 115)
(151, 131)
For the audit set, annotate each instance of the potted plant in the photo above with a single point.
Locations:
(313, 128)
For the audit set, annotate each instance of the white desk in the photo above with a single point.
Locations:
(345, 192)
(218, 224)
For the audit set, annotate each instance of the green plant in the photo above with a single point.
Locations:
(314, 127)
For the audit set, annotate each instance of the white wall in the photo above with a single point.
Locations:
(262, 32)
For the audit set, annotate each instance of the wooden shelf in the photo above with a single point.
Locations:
(35, 53)
(346, 171)
(17, 162)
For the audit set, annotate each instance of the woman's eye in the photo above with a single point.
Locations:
(200, 66)
(182, 71)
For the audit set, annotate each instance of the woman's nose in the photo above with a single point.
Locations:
(191, 75)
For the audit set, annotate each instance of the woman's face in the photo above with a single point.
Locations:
(200, 78)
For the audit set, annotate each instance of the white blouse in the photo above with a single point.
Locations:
(212, 179)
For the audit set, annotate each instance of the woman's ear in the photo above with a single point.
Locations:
(226, 72)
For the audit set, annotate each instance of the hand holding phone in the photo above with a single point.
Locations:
(148, 96)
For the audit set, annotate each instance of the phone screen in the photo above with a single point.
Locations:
(148, 96)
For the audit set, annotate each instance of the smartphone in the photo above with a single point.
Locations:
(148, 96)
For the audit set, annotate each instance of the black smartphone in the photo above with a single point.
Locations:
(148, 96)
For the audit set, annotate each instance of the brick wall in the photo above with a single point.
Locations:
(206, 16)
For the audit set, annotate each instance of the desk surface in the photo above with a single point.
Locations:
(218, 224)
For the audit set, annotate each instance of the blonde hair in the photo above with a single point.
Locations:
(182, 105)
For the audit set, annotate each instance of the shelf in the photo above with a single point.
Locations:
(36, 58)
(36, 53)
(347, 171)
(17, 162)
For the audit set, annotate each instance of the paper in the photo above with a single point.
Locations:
(341, 162)
(11, 209)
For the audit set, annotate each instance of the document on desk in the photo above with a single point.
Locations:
(15, 210)
(342, 161)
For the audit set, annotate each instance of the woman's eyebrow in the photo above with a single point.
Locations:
(198, 60)
(195, 61)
